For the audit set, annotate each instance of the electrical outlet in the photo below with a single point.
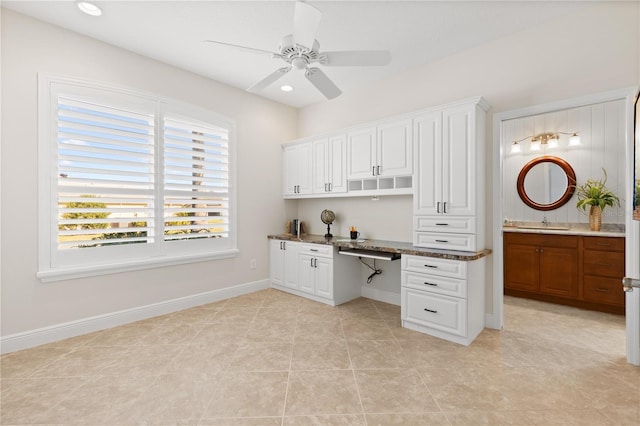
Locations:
(252, 264)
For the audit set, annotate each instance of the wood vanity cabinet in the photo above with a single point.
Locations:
(581, 271)
(547, 264)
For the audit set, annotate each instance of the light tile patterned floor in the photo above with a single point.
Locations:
(270, 358)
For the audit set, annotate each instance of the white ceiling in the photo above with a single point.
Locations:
(416, 32)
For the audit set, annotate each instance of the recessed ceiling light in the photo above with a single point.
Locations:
(286, 88)
(89, 8)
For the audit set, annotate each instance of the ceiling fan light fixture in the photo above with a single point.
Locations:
(286, 88)
(89, 8)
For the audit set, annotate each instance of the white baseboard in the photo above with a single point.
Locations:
(31, 338)
(381, 295)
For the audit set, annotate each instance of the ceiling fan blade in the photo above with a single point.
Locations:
(268, 80)
(245, 48)
(322, 83)
(355, 58)
(306, 20)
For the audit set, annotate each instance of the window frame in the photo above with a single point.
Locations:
(149, 255)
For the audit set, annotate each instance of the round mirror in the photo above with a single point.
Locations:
(546, 183)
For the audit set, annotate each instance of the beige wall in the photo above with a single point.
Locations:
(594, 50)
(29, 47)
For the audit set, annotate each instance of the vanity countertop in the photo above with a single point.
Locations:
(384, 246)
(608, 230)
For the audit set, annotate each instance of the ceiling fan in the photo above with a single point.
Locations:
(300, 50)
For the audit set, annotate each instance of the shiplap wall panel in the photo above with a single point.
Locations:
(602, 135)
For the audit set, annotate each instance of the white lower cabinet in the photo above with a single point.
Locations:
(283, 263)
(320, 275)
(442, 297)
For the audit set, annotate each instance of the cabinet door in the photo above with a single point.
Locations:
(276, 262)
(338, 163)
(305, 167)
(521, 267)
(427, 136)
(290, 163)
(307, 273)
(324, 277)
(459, 161)
(361, 153)
(290, 264)
(559, 271)
(320, 155)
(395, 148)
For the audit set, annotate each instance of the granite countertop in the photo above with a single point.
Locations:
(384, 246)
(607, 230)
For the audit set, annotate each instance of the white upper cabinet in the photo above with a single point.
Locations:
(384, 150)
(449, 189)
(297, 169)
(361, 153)
(395, 148)
(329, 164)
(446, 162)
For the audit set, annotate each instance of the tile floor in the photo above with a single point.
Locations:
(270, 358)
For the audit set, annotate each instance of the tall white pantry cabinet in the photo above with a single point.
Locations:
(446, 297)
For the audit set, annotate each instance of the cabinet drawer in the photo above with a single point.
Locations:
(435, 266)
(435, 284)
(604, 243)
(603, 290)
(460, 242)
(317, 250)
(448, 314)
(604, 264)
(546, 240)
(461, 225)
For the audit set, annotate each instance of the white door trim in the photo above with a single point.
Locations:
(632, 245)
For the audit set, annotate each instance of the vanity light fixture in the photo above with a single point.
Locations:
(89, 8)
(547, 140)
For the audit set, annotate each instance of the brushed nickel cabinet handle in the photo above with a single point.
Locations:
(444, 207)
(378, 171)
(438, 207)
(431, 310)
(373, 170)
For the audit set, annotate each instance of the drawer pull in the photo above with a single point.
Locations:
(442, 224)
(430, 266)
(430, 310)
(431, 284)
(313, 249)
(442, 241)
(604, 290)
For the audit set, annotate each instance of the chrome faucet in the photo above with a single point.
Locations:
(545, 221)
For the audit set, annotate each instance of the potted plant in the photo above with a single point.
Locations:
(594, 193)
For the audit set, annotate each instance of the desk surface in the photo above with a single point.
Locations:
(384, 246)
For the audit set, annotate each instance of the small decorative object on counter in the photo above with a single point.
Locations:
(353, 233)
(287, 228)
(594, 193)
(295, 227)
(327, 217)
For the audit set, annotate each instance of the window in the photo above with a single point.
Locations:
(130, 181)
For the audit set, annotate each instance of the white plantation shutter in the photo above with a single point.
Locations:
(128, 180)
(105, 174)
(196, 180)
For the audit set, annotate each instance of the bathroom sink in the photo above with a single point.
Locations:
(542, 227)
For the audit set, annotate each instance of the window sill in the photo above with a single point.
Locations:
(114, 268)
